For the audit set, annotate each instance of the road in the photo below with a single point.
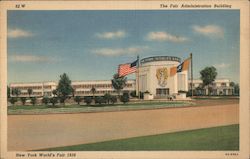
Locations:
(31, 132)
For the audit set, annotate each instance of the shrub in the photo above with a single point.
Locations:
(53, 100)
(45, 100)
(99, 100)
(107, 98)
(33, 100)
(62, 99)
(87, 100)
(78, 99)
(23, 100)
(13, 100)
(133, 94)
(113, 99)
(125, 98)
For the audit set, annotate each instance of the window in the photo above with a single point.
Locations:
(223, 84)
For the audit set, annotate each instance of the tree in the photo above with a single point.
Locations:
(64, 88)
(30, 91)
(13, 100)
(62, 99)
(118, 83)
(8, 91)
(16, 92)
(78, 99)
(54, 92)
(87, 100)
(73, 92)
(107, 97)
(93, 90)
(23, 100)
(236, 89)
(33, 100)
(45, 100)
(99, 100)
(208, 75)
(53, 100)
(125, 98)
(231, 84)
(113, 99)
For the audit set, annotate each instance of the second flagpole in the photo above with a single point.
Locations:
(138, 77)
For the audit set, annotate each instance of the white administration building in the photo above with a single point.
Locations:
(153, 77)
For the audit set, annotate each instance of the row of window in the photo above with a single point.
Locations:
(46, 87)
(97, 92)
(214, 84)
(26, 88)
(96, 86)
(74, 86)
(34, 93)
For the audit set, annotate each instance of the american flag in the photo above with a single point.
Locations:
(128, 68)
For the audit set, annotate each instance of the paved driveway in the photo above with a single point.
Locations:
(29, 132)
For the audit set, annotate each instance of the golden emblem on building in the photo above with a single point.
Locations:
(162, 76)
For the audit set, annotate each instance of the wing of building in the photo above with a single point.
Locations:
(219, 87)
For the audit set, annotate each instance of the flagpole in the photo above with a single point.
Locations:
(191, 57)
(138, 65)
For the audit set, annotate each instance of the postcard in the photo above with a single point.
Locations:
(124, 79)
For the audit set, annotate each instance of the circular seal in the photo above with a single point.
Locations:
(162, 76)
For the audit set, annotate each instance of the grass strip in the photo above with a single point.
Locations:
(217, 138)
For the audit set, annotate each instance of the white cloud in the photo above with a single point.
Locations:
(17, 33)
(111, 35)
(31, 58)
(120, 51)
(164, 36)
(209, 30)
(222, 65)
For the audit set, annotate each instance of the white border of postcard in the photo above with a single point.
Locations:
(242, 5)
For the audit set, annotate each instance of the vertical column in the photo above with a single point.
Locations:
(191, 57)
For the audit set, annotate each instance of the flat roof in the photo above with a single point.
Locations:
(160, 58)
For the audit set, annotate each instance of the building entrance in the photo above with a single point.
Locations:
(162, 91)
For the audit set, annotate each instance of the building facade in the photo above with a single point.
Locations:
(218, 87)
(81, 88)
(154, 76)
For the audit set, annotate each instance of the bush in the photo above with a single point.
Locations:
(189, 93)
(100, 100)
(62, 99)
(53, 100)
(133, 94)
(125, 98)
(13, 100)
(78, 99)
(107, 98)
(33, 100)
(113, 99)
(23, 100)
(88, 100)
(45, 100)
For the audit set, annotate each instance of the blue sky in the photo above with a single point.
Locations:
(89, 45)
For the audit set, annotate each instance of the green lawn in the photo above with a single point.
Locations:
(217, 138)
(45, 109)
(215, 97)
